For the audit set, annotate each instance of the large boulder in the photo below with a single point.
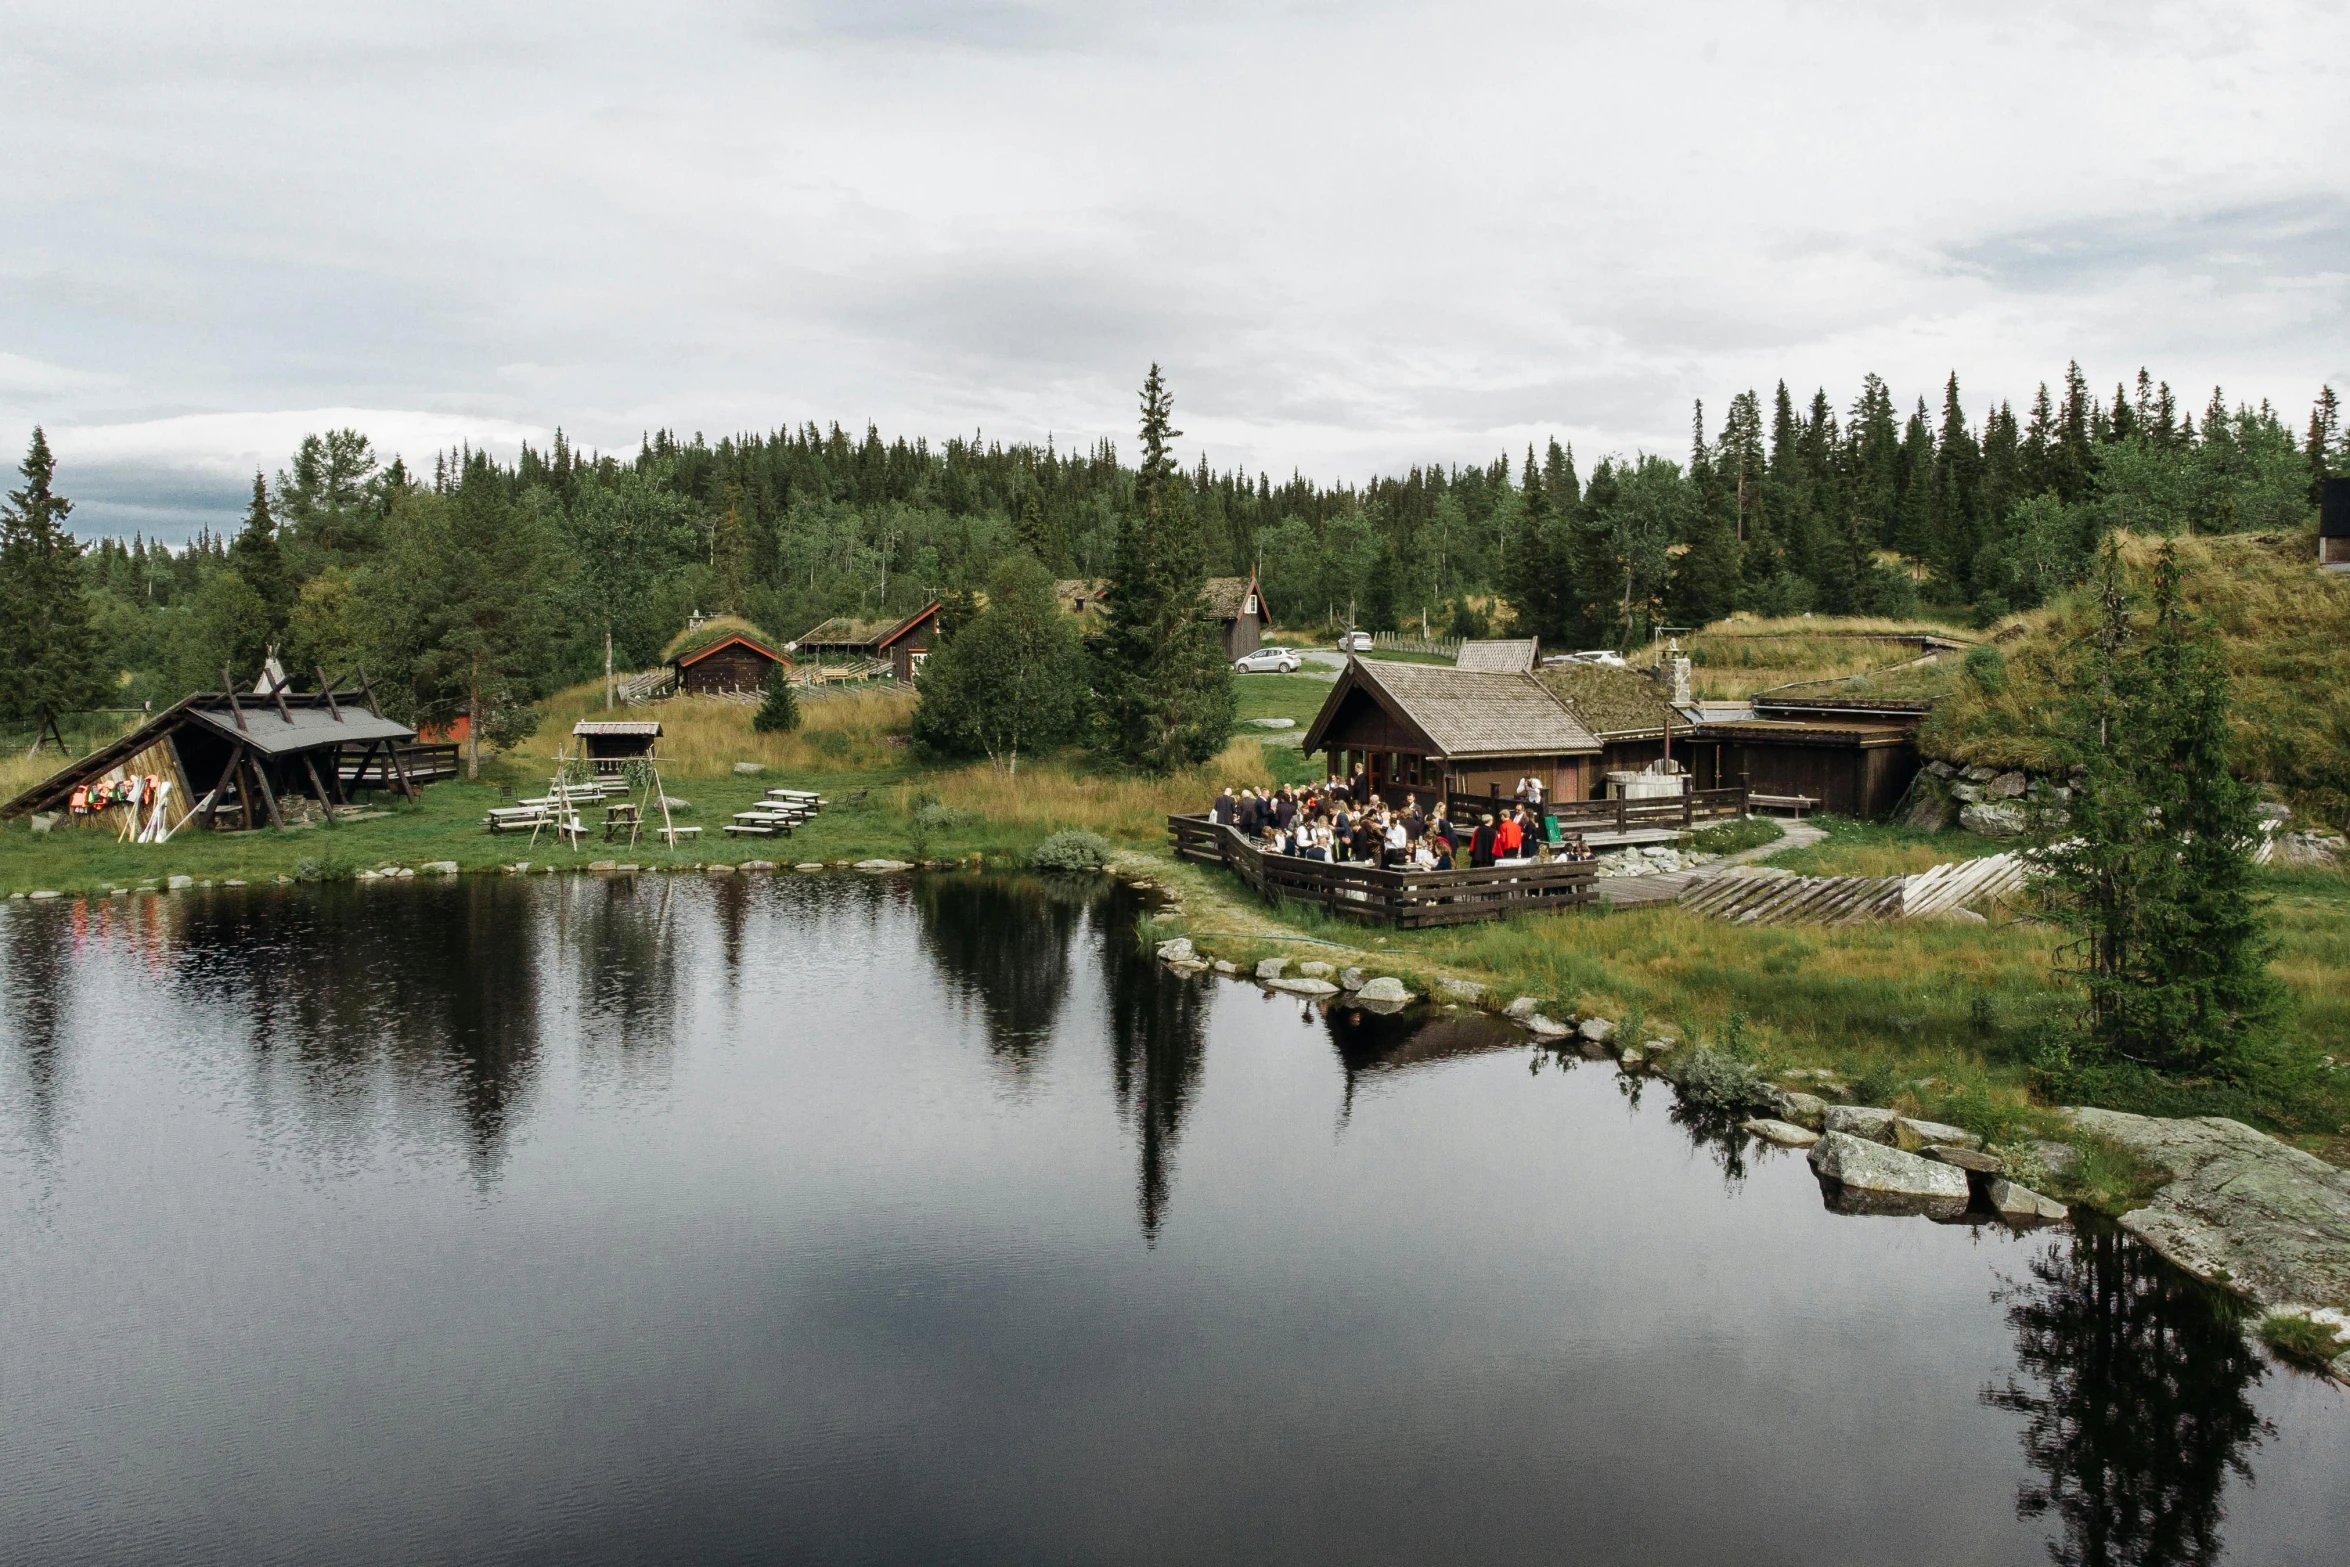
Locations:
(1930, 808)
(2007, 786)
(1972, 1160)
(1995, 819)
(1350, 979)
(1883, 1179)
(1315, 969)
(1545, 1028)
(1269, 969)
(1596, 1030)
(1176, 951)
(1803, 1109)
(1522, 1008)
(1860, 1121)
(1385, 988)
(1466, 990)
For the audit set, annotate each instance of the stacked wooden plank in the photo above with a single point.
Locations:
(1764, 898)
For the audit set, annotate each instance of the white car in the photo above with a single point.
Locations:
(1267, 661)
(1355, 642)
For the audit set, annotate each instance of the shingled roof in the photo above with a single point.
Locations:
(1615, 704)
(1503, 655)
(1461, 712)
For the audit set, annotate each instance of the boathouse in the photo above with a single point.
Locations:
(1428, 730)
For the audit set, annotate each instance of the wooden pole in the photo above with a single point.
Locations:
(268, 795)
(212, 806)
(326, 689)
(230, 686)
(392, 750)
(327, 804)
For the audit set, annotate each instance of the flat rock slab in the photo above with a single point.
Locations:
(1303, 987)
(1860, 1121)
(1885, 1179)
(1973, 1159)
(1385, 988)
(1911, 1135)
(885, 865)
(1269, 969)
(2022, 1205)
(1545, 1027)
(1785, 1133)
(2242, 1209)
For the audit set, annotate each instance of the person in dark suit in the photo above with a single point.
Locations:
(1481, 844)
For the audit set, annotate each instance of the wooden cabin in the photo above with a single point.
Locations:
(1856, 767)
(1627, 712)
(610, 744)
(1240, 605)
(2333, 525)
(1087, 598)
(903, 644)
(240, 759)
(735, 663)
(1427, 730)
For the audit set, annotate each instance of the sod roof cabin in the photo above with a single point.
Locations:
(1085, 597)
(2333, 525)
(1240, 604)
(903, 644)
(240, 759)
(1429, 730)
(723, 656)
(1625, 709)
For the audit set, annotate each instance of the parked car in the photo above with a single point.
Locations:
(1267, 661)
(1355, 642)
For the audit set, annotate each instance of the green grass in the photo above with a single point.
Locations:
(1857, 848)
(2298, 1341)
(1277, 696)
(1748, 832)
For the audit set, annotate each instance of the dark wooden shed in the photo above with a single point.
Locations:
(1851, 767)
(610, 744)
(2333, 525)
(736, 662)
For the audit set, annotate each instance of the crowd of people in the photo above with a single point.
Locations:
(1343, 821)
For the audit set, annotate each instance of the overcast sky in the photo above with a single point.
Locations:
(1357, 236)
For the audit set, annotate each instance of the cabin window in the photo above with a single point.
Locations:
(1248, 606)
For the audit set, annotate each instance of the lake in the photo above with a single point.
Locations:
(846, 1219)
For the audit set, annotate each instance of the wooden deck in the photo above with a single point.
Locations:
(1678, 813)
(1371, 896)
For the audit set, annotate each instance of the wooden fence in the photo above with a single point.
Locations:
(1434, 647)
(1620, 815)
(424, 763)
(1372, 896)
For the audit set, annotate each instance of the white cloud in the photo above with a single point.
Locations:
(1357, 236)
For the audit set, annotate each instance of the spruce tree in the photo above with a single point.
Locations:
(2318, 450)
(2152, 872)
(50, 660)
(255, 556)
(1166, 687)
(779, 713)
(1531, 573)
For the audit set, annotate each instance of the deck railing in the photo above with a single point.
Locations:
(1372, 896)
(424, 762)
(1684, 811)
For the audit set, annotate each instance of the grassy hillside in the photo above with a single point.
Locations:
(1737, 657)
(2283, 623)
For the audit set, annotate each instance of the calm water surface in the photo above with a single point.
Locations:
(822, 1219)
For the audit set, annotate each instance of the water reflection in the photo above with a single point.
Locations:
(1372, 1044)
(2138, 1412)
(1006, 948)
(35, 964)
(1158, 1046)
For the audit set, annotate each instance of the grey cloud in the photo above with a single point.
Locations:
(2239, 247)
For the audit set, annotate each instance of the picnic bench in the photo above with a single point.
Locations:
(1791, 804)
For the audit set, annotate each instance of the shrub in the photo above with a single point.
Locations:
(1712, 1082)
(1986, 666)
(1071, 851)
(2301, 1341)
(1748, 832)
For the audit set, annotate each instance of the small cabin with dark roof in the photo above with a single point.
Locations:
(734, 663)
(2333, 525)
(1428, 730)
(1240, 604)
(610, 744)
(905, 644)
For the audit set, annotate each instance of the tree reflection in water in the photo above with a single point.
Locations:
(447, 994)
(35, 982)
(1004, 947)
(1158, 1042)
(2140, 1413)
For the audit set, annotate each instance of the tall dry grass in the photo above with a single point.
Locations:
(703, 735)
(1060, 792)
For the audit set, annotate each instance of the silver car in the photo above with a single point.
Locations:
(1267, 661)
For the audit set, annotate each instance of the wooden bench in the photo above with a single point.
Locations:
(1792, 804)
